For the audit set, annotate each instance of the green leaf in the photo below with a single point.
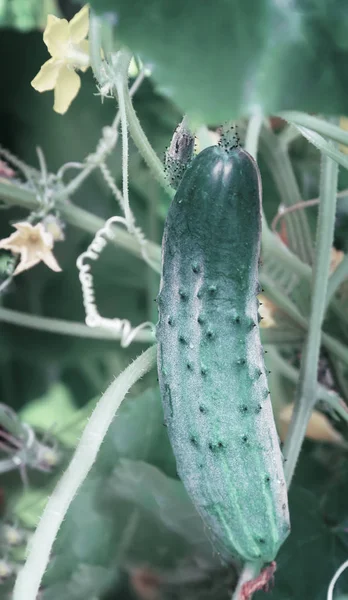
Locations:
(86, 582)
(220, 60)
(25, 14)
(52, 411)
(165, 498)
(138, 433)
(29, 506)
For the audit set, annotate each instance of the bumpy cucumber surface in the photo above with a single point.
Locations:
(210, 359)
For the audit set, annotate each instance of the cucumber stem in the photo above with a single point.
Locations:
(249, 572)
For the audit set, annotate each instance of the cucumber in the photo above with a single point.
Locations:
(210, 360)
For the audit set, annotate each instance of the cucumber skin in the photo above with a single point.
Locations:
(210, 360)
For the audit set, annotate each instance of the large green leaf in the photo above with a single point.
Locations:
(220, 59)
(165, 498)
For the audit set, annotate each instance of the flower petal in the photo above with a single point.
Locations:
(46, 78)
(79, 25)
(50, 261)
(84, 47)
(67, 87)
(56, 36)
(24, 265)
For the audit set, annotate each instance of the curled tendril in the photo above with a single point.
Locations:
(121, 327)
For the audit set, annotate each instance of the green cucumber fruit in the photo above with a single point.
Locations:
(210, 359)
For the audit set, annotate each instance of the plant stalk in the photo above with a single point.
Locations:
(29, 578)
(307, 387)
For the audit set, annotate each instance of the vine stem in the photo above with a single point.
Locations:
(322, 127)
(324, 146)
(307, 387)
(144, 146)
(63, 327)
(121, 85)
(29, 578)
(279, 164)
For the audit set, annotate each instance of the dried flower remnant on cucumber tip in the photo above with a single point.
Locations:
(179, 153)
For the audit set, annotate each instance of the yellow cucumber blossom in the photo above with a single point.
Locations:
(33, 243)
(68, 48)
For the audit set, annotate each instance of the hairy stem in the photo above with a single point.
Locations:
(324, 146)
(307, 387)
(29, 578)
(279, 164)
(322, 127)
(121, 86)
(144, 146)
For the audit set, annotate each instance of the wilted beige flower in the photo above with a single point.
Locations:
(319, 427)
(343, 125)
(336, 258)
(266, 311)
(33, 243)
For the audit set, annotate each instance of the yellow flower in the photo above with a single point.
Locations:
(68, 48)
(34, 244)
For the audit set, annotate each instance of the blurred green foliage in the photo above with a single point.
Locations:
(220, 60)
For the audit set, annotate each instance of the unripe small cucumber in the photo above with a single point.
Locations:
(179, 154)
(210, 359)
